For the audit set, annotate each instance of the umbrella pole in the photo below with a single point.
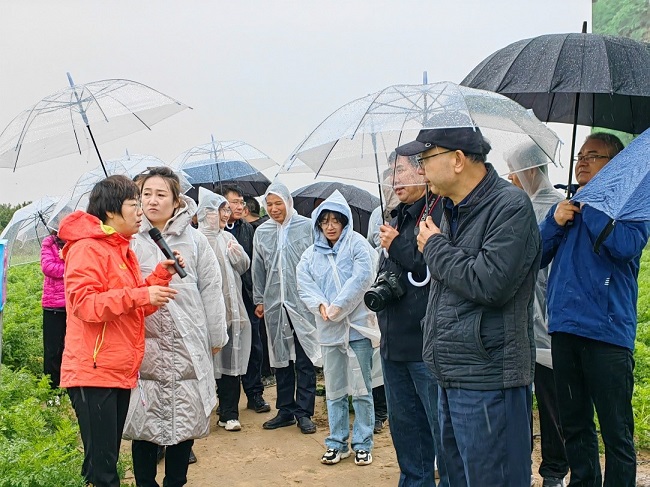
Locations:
(101, 161)
(381, 200)
(573, 146)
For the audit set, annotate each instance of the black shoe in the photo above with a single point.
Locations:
(553, 482)
(160, 454)
(192, 457)
(379, 426)
(306, 425)
(279, 422)
(258, 404)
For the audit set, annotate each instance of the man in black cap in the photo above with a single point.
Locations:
(478, 329)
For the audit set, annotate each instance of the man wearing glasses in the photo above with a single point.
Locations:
(592, 298)
(478, 328)
(243, 232)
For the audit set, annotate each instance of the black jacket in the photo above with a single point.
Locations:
(478, 331)
(399, 322)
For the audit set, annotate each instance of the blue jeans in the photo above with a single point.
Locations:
(486, 436)
(338, 410)
(412, 397)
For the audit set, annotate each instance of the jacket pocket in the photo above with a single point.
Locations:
(476, 326)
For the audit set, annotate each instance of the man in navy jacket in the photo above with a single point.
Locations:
(592, 321)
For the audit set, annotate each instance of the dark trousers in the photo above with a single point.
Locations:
(53, 341)
(412, 398)
(591, 373)
(486, 436)
(252, 380)
(379, 399)
(229, 392)
(554, 460)
(101, 413)
(145, 463)
(296, 385)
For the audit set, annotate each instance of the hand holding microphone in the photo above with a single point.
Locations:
(157, 237)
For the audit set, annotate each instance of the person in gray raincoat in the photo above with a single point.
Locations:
(333, 276)
(527, 164)
(291, 329)
(231, 363)
(175, 395)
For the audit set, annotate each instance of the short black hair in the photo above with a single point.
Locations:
(109, 195)
(338, 215)
(252, 204)
(231, 188)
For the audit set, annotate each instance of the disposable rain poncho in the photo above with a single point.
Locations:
(277, 249)
(338, 277)
(528, 165)
(234, 262)
(176, 393)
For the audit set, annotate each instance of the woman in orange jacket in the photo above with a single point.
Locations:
(106, 302)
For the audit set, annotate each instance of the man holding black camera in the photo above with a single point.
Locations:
(400, 297)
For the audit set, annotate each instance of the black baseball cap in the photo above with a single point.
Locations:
(468, 139)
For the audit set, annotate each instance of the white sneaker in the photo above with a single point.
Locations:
(333, 456)
(231, 425)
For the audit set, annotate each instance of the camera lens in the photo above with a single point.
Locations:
(377, 297)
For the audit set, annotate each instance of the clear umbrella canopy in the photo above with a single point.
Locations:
(27, 229)
(59, 124)
(355, 141)
(130, 165)
(218, 163)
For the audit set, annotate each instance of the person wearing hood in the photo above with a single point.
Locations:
(230, 365)
(294, 349)
(106, 300)
(333, 275)
(175, 396)
(528, 166)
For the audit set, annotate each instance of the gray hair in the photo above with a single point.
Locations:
(613, 143)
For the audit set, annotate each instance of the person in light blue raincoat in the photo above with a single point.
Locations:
(278, 245)
(333, 275)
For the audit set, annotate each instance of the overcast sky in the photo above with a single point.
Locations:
(262, 71)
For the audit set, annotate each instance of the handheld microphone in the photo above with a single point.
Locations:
(157, 237)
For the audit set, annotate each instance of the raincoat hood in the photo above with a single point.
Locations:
(335, 202)
(208, 201)
(79, 225)
(282, 192)
(179, 221)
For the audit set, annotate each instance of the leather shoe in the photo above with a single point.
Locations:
(306, 425)
(192, 458)
(279, 422)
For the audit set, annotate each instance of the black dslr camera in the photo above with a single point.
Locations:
(386, 288)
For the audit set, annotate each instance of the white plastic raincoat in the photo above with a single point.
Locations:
(176, 393)
(234, 262)
(338, 277)
(277, 249)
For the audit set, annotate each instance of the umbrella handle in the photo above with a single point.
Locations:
(420, 283)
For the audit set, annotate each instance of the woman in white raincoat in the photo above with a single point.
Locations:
(231, 363)
(291, 330)
(333, 275)
(175, 395)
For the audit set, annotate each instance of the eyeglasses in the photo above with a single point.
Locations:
(241, 203)
(589, 159)
(134, 205)
(422, 159)
(333, 223)
(225, 211)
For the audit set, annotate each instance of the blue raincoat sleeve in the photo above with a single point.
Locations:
(627, 240)
(551, 234)
(310, 293)
(352, 291)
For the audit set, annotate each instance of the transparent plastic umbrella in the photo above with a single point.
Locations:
(217, 163)
(60, 124)
(130, 165)
(27, 229)
(354, 142)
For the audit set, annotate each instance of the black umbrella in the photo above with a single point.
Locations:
(586, 79)
(361, 202)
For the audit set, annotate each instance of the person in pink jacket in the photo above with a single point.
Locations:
(53, 301)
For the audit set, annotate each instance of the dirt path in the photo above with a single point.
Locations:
(285, 457)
